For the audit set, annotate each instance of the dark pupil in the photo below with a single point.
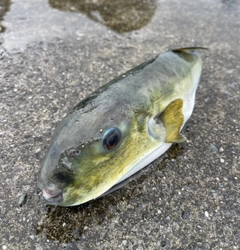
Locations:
(111, 138)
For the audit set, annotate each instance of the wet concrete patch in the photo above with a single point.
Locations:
(189, 200)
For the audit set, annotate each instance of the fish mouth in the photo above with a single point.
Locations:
(53, 196)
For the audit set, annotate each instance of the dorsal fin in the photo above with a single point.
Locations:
(188, 48)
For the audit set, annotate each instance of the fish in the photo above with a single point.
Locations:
(120, 128)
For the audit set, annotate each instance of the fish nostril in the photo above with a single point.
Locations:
(54, 195)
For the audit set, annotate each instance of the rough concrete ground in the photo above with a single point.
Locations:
(188, 200)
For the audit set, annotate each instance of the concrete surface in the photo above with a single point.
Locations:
(52, 58)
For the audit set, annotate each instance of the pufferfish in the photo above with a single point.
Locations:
(120, 128)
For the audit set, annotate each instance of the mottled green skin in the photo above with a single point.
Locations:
(127, 102)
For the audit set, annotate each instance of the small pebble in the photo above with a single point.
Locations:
(22, 200)
(221, 149)
(214, 148)
(206, 214)
(38, 150)
(185, 214)
(32, 237)
(124, 242)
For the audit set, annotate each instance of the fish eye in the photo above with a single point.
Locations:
(111, 138)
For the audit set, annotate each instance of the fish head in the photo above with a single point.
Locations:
(88, 156)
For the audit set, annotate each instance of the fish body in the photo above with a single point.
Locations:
(120, 128)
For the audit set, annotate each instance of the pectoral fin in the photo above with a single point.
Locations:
(173, 119)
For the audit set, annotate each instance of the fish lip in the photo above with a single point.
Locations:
(51, 193)
(53, 197)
